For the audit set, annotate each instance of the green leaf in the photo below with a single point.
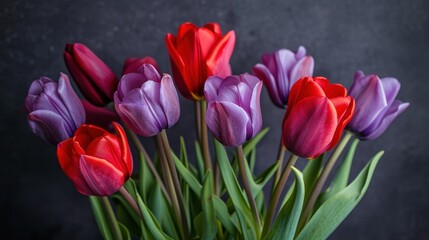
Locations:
(187, 176)
(200, 161)
(252, 159)
(310, 173)
(101, 218)
(251, 144)
(125, 218)
(150, 221)
(334, 210)
(209, 216)
(124, 231)
(146, 178)
(285, 225)
(248, 226)
(223, 215)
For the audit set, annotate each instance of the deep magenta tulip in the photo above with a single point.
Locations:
(96, 161)
(147, 102)
(376, 106)
(131, 65)
(197, 53)
(316, 116)
(54, 109)
(93, 77)
(99, 116)
(280, 70)
(233, 111)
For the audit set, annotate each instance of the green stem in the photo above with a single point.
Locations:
(246, 184)
(204, 138)
(280, 157)
(169, 180)
(176, 181)
(112, 218)
(130, 200)
(149, 163)
(322, 179)
(198, 119)
(277, 193)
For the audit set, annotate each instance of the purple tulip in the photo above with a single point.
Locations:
(376, 106)
(146, 102)
(233, 112)
(54, 109)
(280, 70)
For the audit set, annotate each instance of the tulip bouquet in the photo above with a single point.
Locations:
(214, 195)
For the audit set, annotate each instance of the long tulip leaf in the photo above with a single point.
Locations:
(100, 218)
(335, 209)
(209, 216)
(285, 225)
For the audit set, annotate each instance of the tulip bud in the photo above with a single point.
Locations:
(99, 116)
(316, 115)
(280, 70)
(233, 111)
(197, 53)
(146, 102)
(376, 106)
(93, 77)
(131, 65)
(54, 109)
(96, 161)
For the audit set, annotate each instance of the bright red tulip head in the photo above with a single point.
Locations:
(94, 78)
(316, 115)
(198, 53)
(96, 161)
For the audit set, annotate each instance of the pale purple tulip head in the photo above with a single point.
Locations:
(280, 70)
(147, 102)
(376, 106)
(54, 109)
(233, 111)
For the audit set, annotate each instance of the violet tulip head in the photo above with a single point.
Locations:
(147, 102)
(233, 111)
(133, 64)
(94, 78)
(197, 53)
(96, 161)
(54, 109)
(376, 106)
(280, 70)
(316, 116)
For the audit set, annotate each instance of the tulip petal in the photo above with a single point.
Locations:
(169, 100)
(101, 176)
(381, 124)
(227, 122)
(302, 89)
(211, 88)
(300, 53)
(304, 67)
(106, 147)
(217, 61)
(82, 81)
(101, 76)
(263, 73)
(49, 126)
(71, 101)
(391, 88)
(255, 111)
(125, 149)
(284, 60)
(331, 90)
(345, 107)
(184, 29)
(371, 101)
(69, 163)
(136, 117)
(214, 27)
(150, 72)
(85, 134)
(99, 116)
(36, 88)
(129, 82)
(133, 64)
(310, 127)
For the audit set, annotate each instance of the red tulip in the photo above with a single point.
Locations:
(316, 116)
(198, 53)
(94, 78)
(96, 161)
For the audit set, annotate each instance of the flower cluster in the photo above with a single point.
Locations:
(156, 203)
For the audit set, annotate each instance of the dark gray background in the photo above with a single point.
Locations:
(390, 38)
